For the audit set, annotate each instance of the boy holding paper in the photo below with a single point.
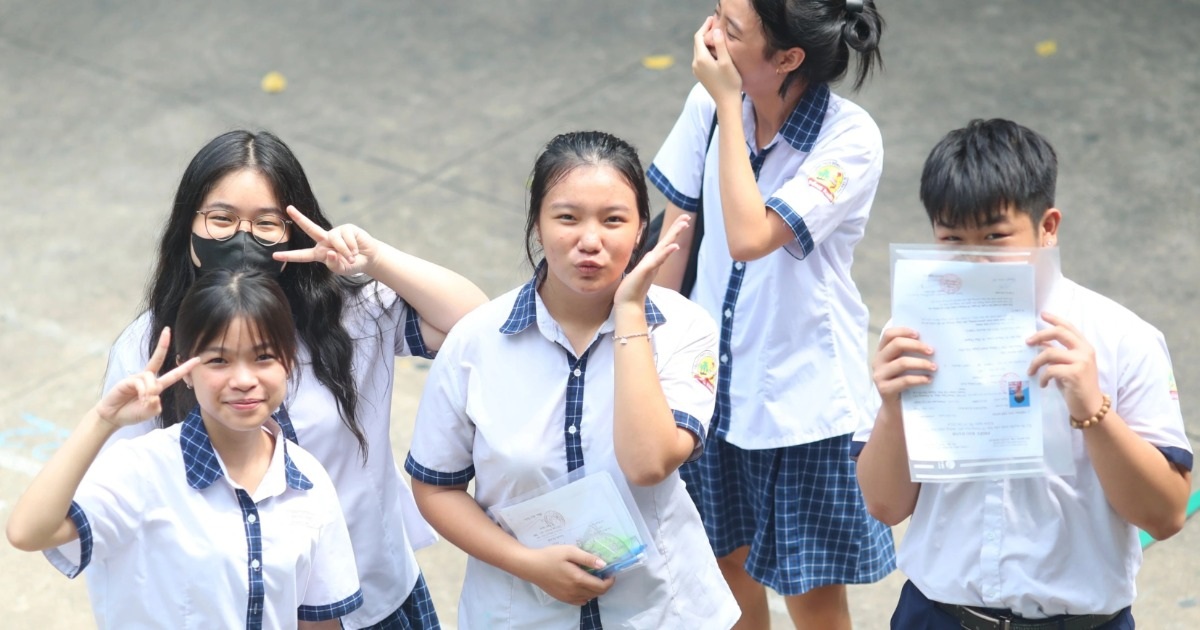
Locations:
(1042, 552)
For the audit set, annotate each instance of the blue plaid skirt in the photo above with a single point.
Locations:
(416, 613)
(799, 510)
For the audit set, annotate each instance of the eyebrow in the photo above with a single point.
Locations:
(223, 350)
(734, 27)
(221, 205)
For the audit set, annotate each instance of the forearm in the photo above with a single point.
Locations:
(1140, 483)
(749, 229)
(670, 274)
(39, 519)
(649, 445)
(459, 519)
(440, 296)
(883, 472)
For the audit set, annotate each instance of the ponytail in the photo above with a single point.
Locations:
(827, 30)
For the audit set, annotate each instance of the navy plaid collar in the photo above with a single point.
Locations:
(201, 463)
(804, 123)
(524, 311)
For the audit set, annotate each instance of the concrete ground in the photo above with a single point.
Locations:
(420, 120)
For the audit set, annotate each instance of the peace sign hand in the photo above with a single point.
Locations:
(136, 398)
(346, 249)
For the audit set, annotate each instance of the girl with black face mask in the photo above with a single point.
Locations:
(245, 202)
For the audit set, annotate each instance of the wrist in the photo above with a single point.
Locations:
(96, 421)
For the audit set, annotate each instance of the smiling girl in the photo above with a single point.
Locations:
(217, 520)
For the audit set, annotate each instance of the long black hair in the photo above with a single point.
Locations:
(316, 295)
(568, 151)
(827, 30)
(218, 298)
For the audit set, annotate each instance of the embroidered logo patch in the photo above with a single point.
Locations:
(1174, 388)
(830, 179)
(704, 370)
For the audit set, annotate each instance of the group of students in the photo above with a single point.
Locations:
(268, 497)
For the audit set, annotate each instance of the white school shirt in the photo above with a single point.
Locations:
(179, 544)
(385, 525)
(794, 327)
(508, 404)
(1051, 546)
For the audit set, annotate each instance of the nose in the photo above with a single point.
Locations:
(242, 377)
(249, 223)
(590, 239)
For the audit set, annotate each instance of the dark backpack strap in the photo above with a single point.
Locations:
(689, 272)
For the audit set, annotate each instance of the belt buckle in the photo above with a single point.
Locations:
(1003, 622)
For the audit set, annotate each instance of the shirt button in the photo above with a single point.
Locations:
(738, 266)
(251, 518)
(577, 372)
(254, 564)
(724, 358)
(571, 429)
(728, 313)
(991, 536)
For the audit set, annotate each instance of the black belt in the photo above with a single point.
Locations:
(976, 619)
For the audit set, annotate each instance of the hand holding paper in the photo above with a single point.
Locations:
(1071, 363)
(559, 570)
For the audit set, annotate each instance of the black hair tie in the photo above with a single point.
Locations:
(854, 6)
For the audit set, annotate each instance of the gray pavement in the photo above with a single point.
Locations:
(420, 120)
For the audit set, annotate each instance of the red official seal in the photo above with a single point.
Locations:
(950, 283)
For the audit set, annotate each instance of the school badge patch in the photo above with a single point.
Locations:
(704, 370)
(830, 179)
(1174, 387)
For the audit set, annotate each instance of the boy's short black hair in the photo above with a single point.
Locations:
(975, 173)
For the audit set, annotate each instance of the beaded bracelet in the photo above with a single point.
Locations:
(1095, 418)
(624, 339)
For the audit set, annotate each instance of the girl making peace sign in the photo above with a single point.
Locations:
(217, 521)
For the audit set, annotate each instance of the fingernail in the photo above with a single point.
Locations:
(600, 564)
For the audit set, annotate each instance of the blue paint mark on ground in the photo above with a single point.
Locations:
(38, 438)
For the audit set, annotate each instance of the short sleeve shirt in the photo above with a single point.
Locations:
(509, 405)
(793, 325)
(159, 512)
(1053, 545)
(380, 511)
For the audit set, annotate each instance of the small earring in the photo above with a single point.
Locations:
(187, 385)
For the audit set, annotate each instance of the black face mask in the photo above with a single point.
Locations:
(239, 252)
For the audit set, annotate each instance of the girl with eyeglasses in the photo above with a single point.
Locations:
(244, 202)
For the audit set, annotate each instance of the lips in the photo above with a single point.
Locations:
(247, 404)
(588, 267)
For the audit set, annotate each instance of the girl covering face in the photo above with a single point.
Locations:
(217, 495)
(586, 365)
(786, 183)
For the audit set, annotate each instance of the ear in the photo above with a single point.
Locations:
(788, 60)
(1048, 230)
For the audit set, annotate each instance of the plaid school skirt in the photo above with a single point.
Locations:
(798, 508)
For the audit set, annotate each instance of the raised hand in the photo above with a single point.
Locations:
(136, 398)
(713, 67)
(901, 362)
(636, 283)
(346, 249)
(558, 571)
(1071, 362)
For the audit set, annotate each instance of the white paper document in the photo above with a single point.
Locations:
(588, 513)
(981, 415)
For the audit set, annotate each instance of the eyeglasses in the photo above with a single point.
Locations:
(267, 228)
